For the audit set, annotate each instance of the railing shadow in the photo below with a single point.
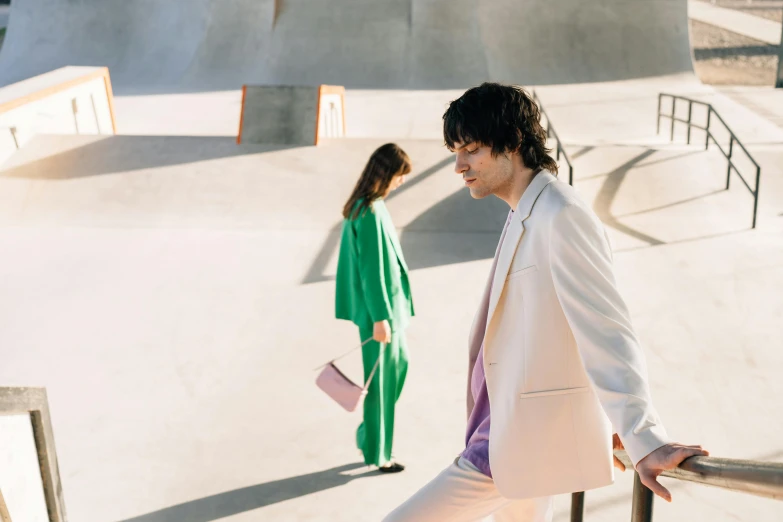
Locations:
(246, 499)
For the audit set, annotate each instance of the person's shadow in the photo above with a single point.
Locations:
(238, 501)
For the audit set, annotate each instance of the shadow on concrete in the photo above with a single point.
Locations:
(316, 272)
(672, 204)
(415, 180)
(611, 186)
(603, 201)
(455, 230)
(727, 52)
(238, 501)
(581, 152)
(114, 154)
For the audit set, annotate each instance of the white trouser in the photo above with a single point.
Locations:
(461, 493)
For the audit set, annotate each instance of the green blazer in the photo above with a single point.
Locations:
(372, 277)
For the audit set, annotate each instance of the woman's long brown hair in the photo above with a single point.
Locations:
(385, 163)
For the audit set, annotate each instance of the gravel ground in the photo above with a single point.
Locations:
(726, 58)
(770, 9)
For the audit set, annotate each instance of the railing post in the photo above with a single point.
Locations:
(642, 509)
(577, 506)
(658, 121)
(707, 138)
(731, 150)
(756, 196)
(571, 175)
(690, 113)
(674, 113)
(779, 77)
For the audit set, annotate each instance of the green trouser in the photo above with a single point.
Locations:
(376, 434)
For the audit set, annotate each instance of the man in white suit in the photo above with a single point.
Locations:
(555, 367)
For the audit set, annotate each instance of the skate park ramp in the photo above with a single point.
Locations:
(197, 45)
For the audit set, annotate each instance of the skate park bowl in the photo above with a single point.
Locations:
(291, 115)
(173, 289)
(167, 46)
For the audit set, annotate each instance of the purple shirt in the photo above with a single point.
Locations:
(477, 437)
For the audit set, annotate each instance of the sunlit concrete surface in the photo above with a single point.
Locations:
(175, 294)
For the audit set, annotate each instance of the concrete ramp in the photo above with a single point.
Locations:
(196, 45)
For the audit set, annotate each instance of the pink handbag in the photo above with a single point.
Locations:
(339, 387)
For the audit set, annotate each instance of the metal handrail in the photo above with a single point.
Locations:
(550, 131)
(763, 479)
(709, 136)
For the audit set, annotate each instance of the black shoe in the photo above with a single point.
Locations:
(395, 467)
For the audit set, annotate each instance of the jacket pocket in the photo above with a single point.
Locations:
(560, 391)
(523, 271)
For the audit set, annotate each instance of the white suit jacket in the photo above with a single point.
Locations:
(563, 366)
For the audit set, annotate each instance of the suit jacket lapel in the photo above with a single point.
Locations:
(505, 257)
(398, 251)
(480, 320)
(391, 232)
(514, 234)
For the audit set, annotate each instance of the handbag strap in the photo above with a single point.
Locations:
(352, 350)
(375, 368)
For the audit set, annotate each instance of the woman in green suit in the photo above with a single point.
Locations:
(373, 291)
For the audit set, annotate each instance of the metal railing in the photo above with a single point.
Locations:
(763, 479)
(550, 132)
(709, 136)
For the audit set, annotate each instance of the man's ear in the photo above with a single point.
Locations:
(516, 157)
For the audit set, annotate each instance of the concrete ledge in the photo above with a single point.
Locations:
(70, 100)
(291, 115)
(34, 402)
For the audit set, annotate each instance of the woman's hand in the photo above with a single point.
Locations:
(381, 332)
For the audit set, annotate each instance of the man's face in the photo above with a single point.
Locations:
(483, 173)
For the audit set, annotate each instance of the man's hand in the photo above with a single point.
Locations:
(381, 332)
(617, 444)
(663, 459)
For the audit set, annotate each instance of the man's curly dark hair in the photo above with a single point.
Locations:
(502, 117)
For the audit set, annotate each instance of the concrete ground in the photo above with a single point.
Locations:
(741, 21)
(175, 293)
(736, 43)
